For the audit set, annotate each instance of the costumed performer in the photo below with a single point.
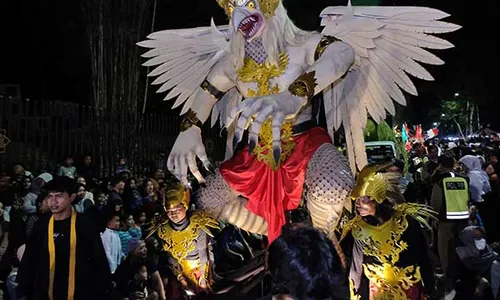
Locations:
(186, 238)
(389, 245)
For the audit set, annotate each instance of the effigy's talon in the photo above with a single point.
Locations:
(251, 146)
(276, 155)
(236, 141)
(210, 168)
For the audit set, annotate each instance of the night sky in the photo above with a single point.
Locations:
(44, 48)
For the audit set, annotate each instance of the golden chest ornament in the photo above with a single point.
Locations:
(384, 243)
(261, 74)
(179, 243)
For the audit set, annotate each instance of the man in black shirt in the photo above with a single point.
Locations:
(64, 256)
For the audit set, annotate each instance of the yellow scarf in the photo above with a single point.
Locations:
(72, 257)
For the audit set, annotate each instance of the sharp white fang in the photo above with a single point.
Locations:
(252, 31)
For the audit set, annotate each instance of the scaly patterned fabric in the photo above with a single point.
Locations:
(256, 51)
(327, 185)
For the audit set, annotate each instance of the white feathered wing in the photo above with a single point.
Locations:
(389, 42)
(183, 58)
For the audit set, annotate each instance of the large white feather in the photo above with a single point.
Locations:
(389, 43)
(183, 58)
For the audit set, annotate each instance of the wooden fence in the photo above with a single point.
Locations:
(43, 132)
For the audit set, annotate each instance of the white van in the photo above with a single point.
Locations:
(380, 151)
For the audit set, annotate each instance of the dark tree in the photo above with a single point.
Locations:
(118, 81)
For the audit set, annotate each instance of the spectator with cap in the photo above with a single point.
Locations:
(40, 181)
(30, 199)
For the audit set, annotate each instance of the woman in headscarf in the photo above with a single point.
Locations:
(478, 257)
(478, 179)
(492, 200)
(479, 186)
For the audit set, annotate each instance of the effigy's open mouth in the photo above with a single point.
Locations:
(250, 26)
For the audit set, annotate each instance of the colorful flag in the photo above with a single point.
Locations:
(431, 133)
(404, 133)
(418, 133)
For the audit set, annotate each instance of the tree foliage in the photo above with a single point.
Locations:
(455, 111)
(378, 132)
(383, 132)
(371, 131)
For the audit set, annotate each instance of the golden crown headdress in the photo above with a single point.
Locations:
(378, 186)
(267, 7)
(177, 194)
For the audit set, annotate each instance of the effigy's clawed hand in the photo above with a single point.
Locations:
(187, 147)
(255, 111)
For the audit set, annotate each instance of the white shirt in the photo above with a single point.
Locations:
(113, 248)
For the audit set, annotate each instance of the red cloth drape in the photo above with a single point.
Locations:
(271, 193)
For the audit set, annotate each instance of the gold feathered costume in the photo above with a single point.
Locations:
(183, 243)
(383, 242)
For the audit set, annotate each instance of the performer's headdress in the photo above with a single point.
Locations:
(177, 194)
(267, 7)
(377, 185)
